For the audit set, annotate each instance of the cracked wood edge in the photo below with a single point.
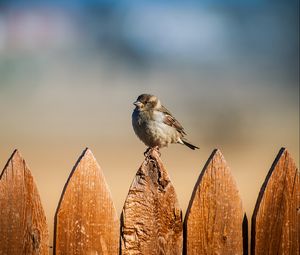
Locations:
(23, 226)
(214, 220)
(275, 221)
(86, 221)
(151, 219)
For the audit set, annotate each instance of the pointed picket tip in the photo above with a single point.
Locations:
(23, 226)
(15, 156)
(86, 221)
(275, 221)
(151, 221)
(214, 219)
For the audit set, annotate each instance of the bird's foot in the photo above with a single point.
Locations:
(150, 150)
(156, 149)
(147, 152)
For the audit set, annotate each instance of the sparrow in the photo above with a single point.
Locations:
(155, 126)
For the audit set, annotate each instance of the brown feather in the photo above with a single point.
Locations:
(171, 121)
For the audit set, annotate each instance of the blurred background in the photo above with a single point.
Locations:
(70, 71)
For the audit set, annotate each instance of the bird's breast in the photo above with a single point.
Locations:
(151, 129)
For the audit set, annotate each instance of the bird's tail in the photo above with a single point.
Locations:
(188, 144)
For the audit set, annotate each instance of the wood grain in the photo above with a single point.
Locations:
(214, 219)
(275, 220)
(23, 227)
(151, 220)
(86, 221)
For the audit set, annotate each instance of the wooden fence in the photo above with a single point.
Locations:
(151, 223)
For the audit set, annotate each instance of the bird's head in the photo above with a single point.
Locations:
(147, 102)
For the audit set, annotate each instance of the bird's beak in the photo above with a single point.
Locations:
(138, 103)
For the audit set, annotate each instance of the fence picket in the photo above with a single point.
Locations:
(86, 221)
(214, 219)
(275, 220)
(23, 227)
(151, 219)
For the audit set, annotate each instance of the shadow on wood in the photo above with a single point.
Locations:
(86, 221)
(245, 235)
(23, 227)
(214, 219)
(151, 219)
(275, 220)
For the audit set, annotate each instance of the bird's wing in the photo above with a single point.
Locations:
(171, 121)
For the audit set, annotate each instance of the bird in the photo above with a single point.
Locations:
(155, 126)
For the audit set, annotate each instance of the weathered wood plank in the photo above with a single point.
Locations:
(86, 221)
(151, 220)
(214, 219)
(23, 227)
(275, 220)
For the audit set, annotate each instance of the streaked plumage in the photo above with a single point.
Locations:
(155, 125)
